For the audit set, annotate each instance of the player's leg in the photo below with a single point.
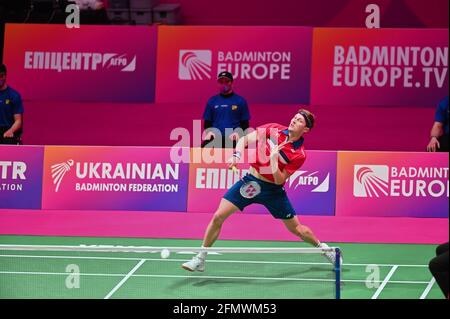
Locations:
(231, 202)
(307, 235)
(280, 207)
(302, 231)
(276, 201)
(225, 210)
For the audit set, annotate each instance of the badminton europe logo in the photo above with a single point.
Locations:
(400, 181)
(194, 64)
(370, 180)
(59, 171)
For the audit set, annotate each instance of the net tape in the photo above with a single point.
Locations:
(153, 249)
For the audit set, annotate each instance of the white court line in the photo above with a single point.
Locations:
(385, 281)
(132, 271)
(427, 290)
(209, 260)
(207, 277)
(57, 273)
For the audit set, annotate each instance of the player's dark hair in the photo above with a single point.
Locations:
(309, 117)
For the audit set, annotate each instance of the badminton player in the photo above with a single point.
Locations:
(285, 154)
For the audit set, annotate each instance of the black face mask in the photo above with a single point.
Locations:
(224, 88)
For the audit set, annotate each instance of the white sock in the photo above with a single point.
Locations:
(202, 254)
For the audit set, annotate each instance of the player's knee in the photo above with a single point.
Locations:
(303, 231)
(297, 230)
(218, 219)
(293, 231)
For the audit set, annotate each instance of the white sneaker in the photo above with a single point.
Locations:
(195, 264)
(331, 256)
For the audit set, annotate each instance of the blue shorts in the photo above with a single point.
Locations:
(250, 190)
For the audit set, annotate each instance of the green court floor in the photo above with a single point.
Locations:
(382, 271)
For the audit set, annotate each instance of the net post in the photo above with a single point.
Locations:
(337, 269)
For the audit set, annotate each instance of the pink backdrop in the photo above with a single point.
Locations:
(208, 182)
(341, 74)
(392, 184)
(337, 128)
(271, 64)
(92, 63)
(75, 189)
(322, 13)
(238, 227)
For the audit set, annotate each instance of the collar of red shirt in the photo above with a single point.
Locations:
(297, 143)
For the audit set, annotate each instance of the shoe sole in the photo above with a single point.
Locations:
(189, 269)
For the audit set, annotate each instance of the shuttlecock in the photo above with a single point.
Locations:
(165, 253)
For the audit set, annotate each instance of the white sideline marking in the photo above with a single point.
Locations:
(209, 260)
(385, 281)
(132, 271)
(427, 290)
(206, 277)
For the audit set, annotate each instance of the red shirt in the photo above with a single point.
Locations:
(292, 155)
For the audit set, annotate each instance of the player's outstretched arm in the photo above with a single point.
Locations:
(240, 147)
(245, 141)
